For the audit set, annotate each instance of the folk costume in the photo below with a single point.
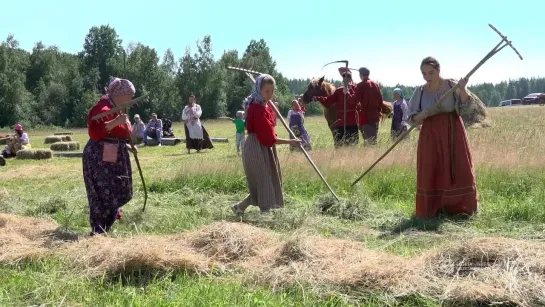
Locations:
(196, 136)
(259, 156)
(401, 115)
(445, 173)
(350, 136)
(296, 119)
(107, 168)
(369, 97)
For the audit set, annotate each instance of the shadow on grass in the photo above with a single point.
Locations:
(420, 224)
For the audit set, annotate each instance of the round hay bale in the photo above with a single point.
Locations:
(63, 133)
(53, 139)
(475, 114)
(34, 154)
(65, 146)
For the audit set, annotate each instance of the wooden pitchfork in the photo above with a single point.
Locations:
(249, 74)
(121, 110)
(502, 44)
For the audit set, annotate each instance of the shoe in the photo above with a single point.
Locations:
(236, 210)
(159, 145)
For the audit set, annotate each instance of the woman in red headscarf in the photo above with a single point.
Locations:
(106, 163)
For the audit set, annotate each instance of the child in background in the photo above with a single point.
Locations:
(296, 120)
(240, 124)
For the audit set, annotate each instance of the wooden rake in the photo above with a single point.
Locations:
(121, 110)
(249, 74)
(502, 44)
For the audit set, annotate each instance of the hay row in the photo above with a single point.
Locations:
(464, 272)
(57, 138)
(63, 133)
(65, 146)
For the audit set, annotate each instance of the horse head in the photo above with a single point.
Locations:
(316, 87)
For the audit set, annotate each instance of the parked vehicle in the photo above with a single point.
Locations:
(510, 102)
(533, 98)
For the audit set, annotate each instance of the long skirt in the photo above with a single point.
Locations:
(445, 173)
(197, 144)
(108, 184)
(263, 175)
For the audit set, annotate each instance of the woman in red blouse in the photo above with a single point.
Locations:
(106, 163)
(259, 156)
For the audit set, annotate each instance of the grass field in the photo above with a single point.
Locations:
(187, 248)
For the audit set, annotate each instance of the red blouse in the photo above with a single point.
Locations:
(369, 96)
(261, 120)
(97, 128)
(337, 99)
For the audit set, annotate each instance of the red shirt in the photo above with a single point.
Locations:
(261, 121)
(369, 96)
(97, 128)
(337, 98)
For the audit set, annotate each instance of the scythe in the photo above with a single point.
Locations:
(344, 95)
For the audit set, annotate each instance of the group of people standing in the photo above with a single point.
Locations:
(445, 174)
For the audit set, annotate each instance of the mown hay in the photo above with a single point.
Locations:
(105, 255)
(34, 154)
(63, 133)
(230, 241)
(65, 146)
(503, 270)
(57, 138)
(475, 115)
(22, 238)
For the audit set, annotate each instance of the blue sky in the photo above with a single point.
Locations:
(388, 37)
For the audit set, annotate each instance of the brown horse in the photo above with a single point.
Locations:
(318, 87)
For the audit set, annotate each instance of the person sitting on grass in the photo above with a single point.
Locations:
(16, 142)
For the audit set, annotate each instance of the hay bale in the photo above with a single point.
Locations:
(63, 133)
(34, 154)
(65, 146)
(475, 114)
(57, 138)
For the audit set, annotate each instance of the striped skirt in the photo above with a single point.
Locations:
(263, 174)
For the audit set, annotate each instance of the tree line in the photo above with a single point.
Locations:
(49, 87)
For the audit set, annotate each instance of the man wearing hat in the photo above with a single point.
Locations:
(154, 129)
(369, 96)
(338, 98)
(18, 142)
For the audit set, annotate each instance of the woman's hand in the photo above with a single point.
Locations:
(295, 142)
(134, 151)
(420, 117)
(119, 120)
